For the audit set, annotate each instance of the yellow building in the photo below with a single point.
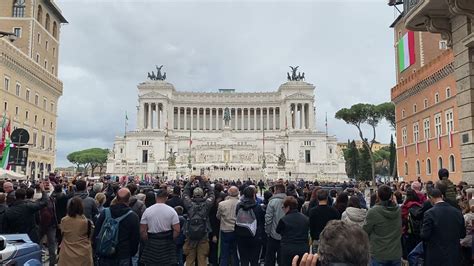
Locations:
(30, 88)
(359, 144)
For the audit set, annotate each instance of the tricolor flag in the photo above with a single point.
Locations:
(451, 138)
(427, 145)
(406, 51)
(417, 147)
(439, 141)
(190, 139)
(405, 150)
(5, 154)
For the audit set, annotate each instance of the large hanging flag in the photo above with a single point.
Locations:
(406, 51)
(5, 134)
(6, 146)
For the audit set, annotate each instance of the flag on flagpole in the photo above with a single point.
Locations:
(417, 147)
(427, 141)
(406, 51)
(5, 135)
(5, 154)
(190, 139)
(405, 150)
(451, 138)
(439, 141)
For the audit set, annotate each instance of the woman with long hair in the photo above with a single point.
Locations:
(76, 229)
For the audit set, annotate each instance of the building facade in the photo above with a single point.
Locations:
(30, 88)
(426, 113)
(227, 134)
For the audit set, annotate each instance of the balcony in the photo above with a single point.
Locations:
(419, 13)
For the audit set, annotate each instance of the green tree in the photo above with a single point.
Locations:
(382, 161)
(351, 156)
(365, 165)
(89, 158)
(367, 114)
(393, 158)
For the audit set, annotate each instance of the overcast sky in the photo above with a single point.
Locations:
(345, 49)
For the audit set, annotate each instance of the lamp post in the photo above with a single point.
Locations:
(11, 36)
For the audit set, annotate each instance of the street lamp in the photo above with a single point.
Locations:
(11, 36)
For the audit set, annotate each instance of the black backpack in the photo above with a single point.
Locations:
(414, 224)
(196, 226)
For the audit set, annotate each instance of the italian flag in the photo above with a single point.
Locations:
(6, 153)
(406, 51)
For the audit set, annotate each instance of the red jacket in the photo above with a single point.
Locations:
(405, 207)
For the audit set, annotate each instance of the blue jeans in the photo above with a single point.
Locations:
(375, 262)
(115, 262)
(228, 248)
(179, 254)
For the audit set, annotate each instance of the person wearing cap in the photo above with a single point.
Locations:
(159, 227)
(198, 207)
(227, 215)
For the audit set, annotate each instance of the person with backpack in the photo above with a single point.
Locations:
(117, 232)
(76, 247)
(450, 192)
(249, 227)
(273, 214)
(181, 237)
(159, 228)
(196, 246)
(411, 224)
(90, 207)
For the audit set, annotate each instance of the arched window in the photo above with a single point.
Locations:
(19, 8)
(48, 21)
(406, 168)
(428, 167)
(440, 162)
(55, 29)
(39, 16)
(418, 170)
(452, 166)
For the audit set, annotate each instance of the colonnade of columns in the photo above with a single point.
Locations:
(296, 116)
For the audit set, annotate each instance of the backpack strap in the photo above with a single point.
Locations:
(119, 219)
(108, 215)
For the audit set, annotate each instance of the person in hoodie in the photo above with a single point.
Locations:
(137, 206)
(293, 228)
(354, 213)
(249, 246)
(90, 207)
(273, 214)
(129, 231)
(320, 215)
(384, 227)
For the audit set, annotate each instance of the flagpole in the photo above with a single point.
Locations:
(126, 123)
(326, 123)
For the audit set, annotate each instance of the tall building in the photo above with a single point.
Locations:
(227, 134)
(30, 88)
(426, 113)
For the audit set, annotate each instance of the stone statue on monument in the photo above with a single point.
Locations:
(281, 159)
(294, 76)
(227, 116)
(158, 75)
(172, 158)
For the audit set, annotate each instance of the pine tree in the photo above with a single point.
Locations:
(393, 158)
(365, 165)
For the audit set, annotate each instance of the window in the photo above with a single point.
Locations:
(121, 150)
(307, 143)
(440, 162)
(44, 103)
(39, 15)
(19, 8)
(5, 106)
(448, 92)
(428, 167)
(18, 89)
(44, 121)
(414, 108)
(46, 64)
(27, 95)
(403, 113)
(144, 156)
(52, 70)
(449, 122)
(54, 51)
(50, 146)
(51, 125)
(36, 99)
(404, 136)
(6, 84)
(35, 136)
(145, 142)
(43, 138)
(17, 32)
(438, 124)
(52, 107)
(418, 171)
(17, 110)
(406, 168)
(426, 128)
(416, 133)
(443, 45)
(46, 45)
(37, 58)
(47, 22)
(307, 156)
(55, 29)
(39, 38)
(26, 115)
(36, 119)
(452, 167)
(437, 98)
(425, 103)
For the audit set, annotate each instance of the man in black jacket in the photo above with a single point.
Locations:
(20, 216)
(319, 216)
(129, 231)
(443, 227)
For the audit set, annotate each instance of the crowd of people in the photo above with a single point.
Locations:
(203, 222)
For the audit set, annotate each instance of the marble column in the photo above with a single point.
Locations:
(274, 118)
(204, 119)
(198, 122)
(242, 122)
(178, 126)
(304, 115)
(268, 117)
(192, 118)
(149, 116)
(248, 117)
